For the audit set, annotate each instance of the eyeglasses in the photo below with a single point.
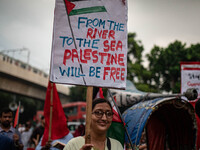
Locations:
(100, 113)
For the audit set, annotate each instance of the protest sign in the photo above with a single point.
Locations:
(190, 76)
(90, 43)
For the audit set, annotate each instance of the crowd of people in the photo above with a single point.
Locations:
(25, 137)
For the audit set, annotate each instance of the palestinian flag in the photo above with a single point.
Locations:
(70, 6)
(71, 11)
(116, 130)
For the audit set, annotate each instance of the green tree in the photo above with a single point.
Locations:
(135, 49)
(136, 72)
(78, 93)
(164, 64)
(134, 58)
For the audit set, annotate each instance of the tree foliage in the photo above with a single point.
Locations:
(164, 64)
(136, 72)
(163, 72)
(78, 93)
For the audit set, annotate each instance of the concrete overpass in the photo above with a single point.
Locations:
(20, 78)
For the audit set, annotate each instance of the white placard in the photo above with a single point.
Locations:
(90, 44)
(190, 76)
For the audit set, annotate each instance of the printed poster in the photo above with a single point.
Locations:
(90, 43)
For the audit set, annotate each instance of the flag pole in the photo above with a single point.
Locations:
(121, 119)
(88, 114)
(70, 26)
(51, 110)
(18, 113)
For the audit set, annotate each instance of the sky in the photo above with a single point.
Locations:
(29, 24)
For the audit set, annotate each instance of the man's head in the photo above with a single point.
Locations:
(43, 121)
(27, 125)
(6, 117)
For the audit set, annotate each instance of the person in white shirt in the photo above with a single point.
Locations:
(100, 122)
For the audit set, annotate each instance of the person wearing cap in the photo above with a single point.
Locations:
(100, 122)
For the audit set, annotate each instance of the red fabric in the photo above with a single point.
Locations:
(198, 126)
(59, 122)
(80, 131)
(116, 117)
(16, 117)
(69, 6)
(101, 93)
(156, 134)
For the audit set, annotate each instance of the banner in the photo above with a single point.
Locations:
(190, 76)
(90, 43)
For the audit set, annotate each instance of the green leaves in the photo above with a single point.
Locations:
(163, 72)
(166, 63)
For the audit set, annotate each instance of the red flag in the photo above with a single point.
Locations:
(99, 93)
(69, 6)
(116, 130)
(116, 117)
(59, 122)
(16, 117)
(198, 125)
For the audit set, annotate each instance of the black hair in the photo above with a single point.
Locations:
(100, 100)
(5, 110)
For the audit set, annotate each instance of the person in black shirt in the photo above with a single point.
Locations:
(38, 132)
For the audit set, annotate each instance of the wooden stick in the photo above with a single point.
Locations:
(51, 110)
(88, 114)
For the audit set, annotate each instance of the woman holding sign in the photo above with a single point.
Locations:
(100, 122)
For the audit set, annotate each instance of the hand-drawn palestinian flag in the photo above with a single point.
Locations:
(71, 11)
(69, 6)
(116, 130)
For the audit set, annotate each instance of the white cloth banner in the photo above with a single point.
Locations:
(90, 44)
(190, 76)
